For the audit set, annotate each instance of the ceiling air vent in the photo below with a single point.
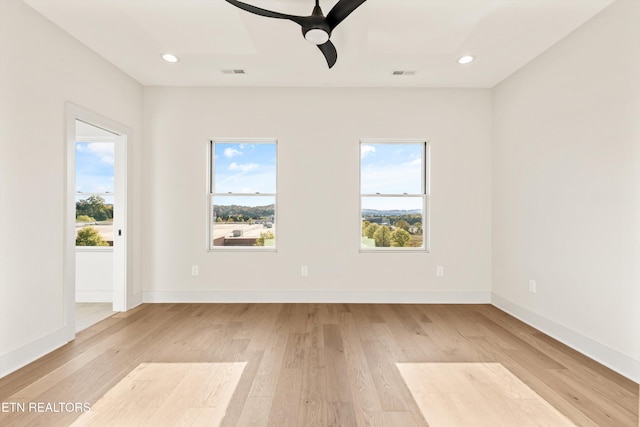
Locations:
(236, 71)
(403, 72)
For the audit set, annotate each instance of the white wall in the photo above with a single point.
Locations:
(566, 189)
(41, 68)
(318, 132)
(94, 275)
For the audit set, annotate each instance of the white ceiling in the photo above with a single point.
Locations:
(426, 36)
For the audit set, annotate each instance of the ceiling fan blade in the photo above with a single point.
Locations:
(341, 10)
(265, 12)
(329, 52)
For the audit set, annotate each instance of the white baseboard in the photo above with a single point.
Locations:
(356, 297)
(94, 296)
(134, 300)
(16, 359)
(22, 356)
(613, 359)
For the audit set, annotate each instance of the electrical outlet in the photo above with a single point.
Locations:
(532, 286)
(304, 271)
(440, 271)
(194, 270)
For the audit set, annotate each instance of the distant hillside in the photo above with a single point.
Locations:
(236, 211)
(393, 212)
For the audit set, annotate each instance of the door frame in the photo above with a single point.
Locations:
(121, 241)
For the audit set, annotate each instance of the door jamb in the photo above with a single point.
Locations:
(121, 295)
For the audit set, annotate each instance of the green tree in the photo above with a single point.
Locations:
(400, 238)
(267, 235)
(89, 236)
(370, 230)
(95, 207)
(85, 218)
(402, 224)
(365, 224)
(382, 237)
(418, 225)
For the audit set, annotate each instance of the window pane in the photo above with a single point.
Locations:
(244, 168)
(392, 222)
(243, 221)
(94, 221)
(94, 167)
(391, 168)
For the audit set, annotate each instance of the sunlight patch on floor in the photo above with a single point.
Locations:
(476, 394)
(167, 394)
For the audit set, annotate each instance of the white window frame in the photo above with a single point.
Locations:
(211, 194)
(425, 194)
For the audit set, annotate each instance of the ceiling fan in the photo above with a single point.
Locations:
(316, 28)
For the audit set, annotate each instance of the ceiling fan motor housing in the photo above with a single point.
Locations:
(316, 30)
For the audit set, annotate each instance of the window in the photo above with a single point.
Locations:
(94, 156)
(394, 195)
(243, 194)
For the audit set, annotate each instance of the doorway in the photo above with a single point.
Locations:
(96, 264)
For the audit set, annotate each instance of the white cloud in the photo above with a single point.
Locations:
(366, 150)
(102, 150)
(232, 152)
(243, 167)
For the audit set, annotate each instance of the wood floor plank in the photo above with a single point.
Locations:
(263, 326)
(313, 364)
(266, 379)
(336, 371)
(455, 346)
(286, 401)
(404, 419)
(341, 414)
(403, 331)
(610, 411)
(313, 401)
(389, 386)
(368, 410)
(255, 412)
(238, 402)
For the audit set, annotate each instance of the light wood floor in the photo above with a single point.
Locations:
(320, 364)
(477, 394)
(90, 313)
(171, 394)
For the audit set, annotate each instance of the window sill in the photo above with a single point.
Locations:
(240, 249)
(394, 250)
(94, 248)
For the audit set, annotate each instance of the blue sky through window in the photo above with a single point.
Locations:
(94, 167)
(244, 168)
(391, 169)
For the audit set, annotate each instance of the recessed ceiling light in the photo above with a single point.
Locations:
(169, 57)
(465, 59)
